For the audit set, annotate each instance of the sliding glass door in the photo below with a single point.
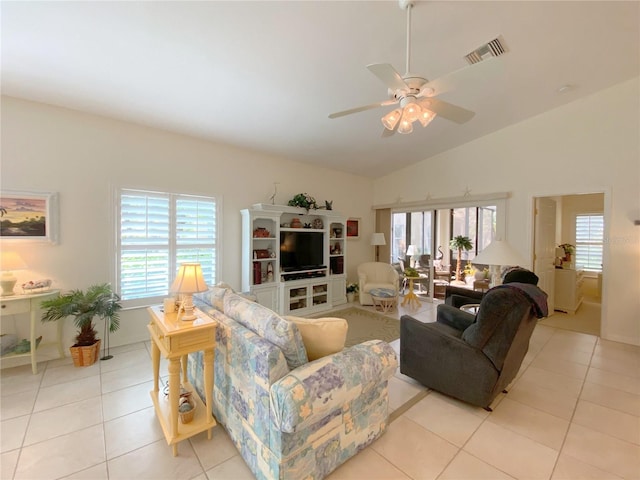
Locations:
(477, 223)
(429, 232)
(411, 228)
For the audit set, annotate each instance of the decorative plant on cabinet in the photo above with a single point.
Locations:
(98, 301)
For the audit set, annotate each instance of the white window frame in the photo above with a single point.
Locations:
(590, 242)
(172, 247)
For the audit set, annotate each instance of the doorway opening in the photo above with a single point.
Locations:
(568, 258)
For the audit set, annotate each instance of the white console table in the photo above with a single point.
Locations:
(30, 303)
(568, 290)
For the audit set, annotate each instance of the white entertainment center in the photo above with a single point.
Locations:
(294, 260)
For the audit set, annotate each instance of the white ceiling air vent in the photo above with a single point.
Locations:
(494, 48)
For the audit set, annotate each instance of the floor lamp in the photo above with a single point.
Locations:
(105, 348)
(498, 253)
(377, 239)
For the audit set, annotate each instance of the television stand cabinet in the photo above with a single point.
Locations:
(267, 234)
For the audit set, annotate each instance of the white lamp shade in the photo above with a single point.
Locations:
(189, 279)
(405, 123)
(412, 250)
(391, 119)
(378, 239)
(11, 261)
(499, 252)
(426, 116)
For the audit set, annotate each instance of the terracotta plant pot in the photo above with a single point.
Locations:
(85, 356)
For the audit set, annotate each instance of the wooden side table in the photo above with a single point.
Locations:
(174, 339)
(30, 303)
(411, 297)
(384, 299)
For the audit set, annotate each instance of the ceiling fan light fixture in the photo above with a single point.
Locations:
(426, 116)
(413, 111)
(406, 124)
(391, 119)
(415, 93)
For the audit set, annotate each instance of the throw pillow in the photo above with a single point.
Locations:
(321, 336)
(268, 325)
(214, 296)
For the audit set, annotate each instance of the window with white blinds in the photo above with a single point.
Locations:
(156, 233)
(589, 242)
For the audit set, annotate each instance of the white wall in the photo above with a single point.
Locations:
(573, 205)
(84, 157)
(596, 143)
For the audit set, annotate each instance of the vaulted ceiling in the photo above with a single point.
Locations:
(265, 75)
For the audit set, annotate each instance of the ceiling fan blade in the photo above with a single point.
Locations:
(447, 110)
(389, 76)
(476, 73)
(362, 109)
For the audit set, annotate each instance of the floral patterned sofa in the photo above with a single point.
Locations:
(288, 417)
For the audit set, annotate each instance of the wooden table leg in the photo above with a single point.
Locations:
(411, 297)
(174, 396)
(155, 364)
(183, 362)
(208, 387)
(32, 338)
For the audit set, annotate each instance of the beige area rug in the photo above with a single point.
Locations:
(585, 320)
(365, 325)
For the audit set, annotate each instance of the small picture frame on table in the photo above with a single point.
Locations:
(353, 228)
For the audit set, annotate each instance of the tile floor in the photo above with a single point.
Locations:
(573, 412)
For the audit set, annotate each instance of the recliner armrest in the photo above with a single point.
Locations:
(458, 296)
(434, 355)
(457, 301)
(454, 317)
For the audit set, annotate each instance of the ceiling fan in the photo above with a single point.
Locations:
(414, 94)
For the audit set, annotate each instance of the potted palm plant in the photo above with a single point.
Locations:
(460, 243)
(97, 301)
(352, 289)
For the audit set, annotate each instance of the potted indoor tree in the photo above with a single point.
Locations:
(97, 301)
(460, 243)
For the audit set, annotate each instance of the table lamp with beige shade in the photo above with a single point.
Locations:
(498, 254)
(188, 281)
(412, 252)
(9, 262)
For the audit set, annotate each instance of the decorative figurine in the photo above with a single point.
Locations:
(269, 272)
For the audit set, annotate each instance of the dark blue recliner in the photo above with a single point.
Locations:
(473, 358)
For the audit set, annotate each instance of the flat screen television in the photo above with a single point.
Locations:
(301, 250)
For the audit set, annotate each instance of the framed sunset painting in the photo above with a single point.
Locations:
(28, 216)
